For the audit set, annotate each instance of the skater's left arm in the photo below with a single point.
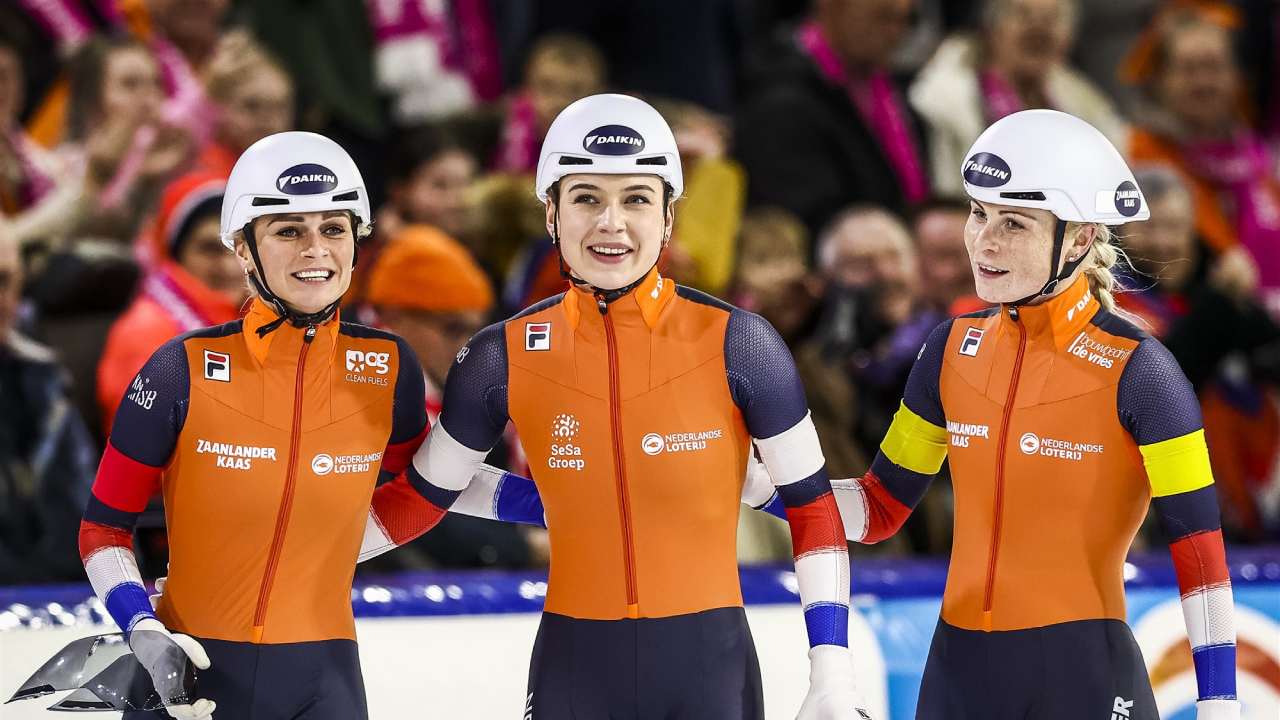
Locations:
(1159, 409)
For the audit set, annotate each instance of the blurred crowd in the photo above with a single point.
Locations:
(821, 142)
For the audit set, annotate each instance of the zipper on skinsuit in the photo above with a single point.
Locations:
(987, 598)
(619, 461)
(286, 500)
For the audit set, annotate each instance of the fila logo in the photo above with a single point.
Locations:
(972, 341)
(537, 336)
(217, 366)
(1120, 708)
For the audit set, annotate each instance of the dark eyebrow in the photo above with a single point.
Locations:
(638, 187)
(1019, 214)
(285, 218)
(582, 186)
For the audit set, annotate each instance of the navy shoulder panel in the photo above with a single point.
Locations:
(1154, 399)
(922, 394)
(1117, 325)
(475, 393)
(154, 407)
(216, 331)
(702, 298)
(762, 375)
(536, 307)
(984, 313)
(357, 330)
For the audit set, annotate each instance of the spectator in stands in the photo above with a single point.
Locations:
(1017, 60)
(560, 69)
(426, 288)
(871, 323)
(430, 172)
(115, 129)
(701, 253)
(251, 95)
(823, 124)
(946, 281)
(1195, 125)
(47, 458)
(771, 277)
(194, 283)
(1204, 310)
(37, 193)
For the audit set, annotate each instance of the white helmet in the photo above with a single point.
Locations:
(292, 172)
(1053, 161)
(609, 135)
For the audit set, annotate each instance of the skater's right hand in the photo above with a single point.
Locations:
(833, 695)
(155, 599)
(166, 657)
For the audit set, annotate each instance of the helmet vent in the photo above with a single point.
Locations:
(660, 160)
(570, 160)
(1032, 196)
(348, 196)
(263, 201)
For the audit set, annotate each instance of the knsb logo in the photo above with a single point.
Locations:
(306, 179)
(613, 140)
(359, 361)
(653, 443)
(139, 393)
(565, 454)
(986, 170)
(1128, 199)
(971, 342)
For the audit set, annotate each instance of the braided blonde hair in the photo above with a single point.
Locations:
(1104, 254)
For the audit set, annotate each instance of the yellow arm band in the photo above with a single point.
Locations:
(1177, 465)
(914, 443)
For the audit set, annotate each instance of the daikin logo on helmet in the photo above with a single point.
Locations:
(1128, 200)
(306, 179)
(613, 140)
(986, 170)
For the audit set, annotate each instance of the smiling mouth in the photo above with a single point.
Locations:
(313, 276)
(990, 271)
(609, 252)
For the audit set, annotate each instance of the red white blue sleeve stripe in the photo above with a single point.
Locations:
(795, 462)
(120, 493)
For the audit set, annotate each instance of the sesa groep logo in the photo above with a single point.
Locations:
(613, 140)
(367, 367)
(565, 454)
(986, 170)
(306, 179)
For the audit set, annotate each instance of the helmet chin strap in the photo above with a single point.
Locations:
(1069, 267)
(285, 313)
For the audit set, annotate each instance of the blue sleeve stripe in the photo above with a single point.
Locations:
(103, 514)
(827, 624)
(437, 496)
(803, 492)
(1215, 671)
(518, 501)
(1188, 513)
(126, 602)
(775, 506)
(906, 486)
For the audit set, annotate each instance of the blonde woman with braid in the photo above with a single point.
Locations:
(1062, 422)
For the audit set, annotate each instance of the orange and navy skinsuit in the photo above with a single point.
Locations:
(267, 450)
(637, 414)
(1061, 422)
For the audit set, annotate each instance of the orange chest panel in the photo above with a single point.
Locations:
(1049, 486)
(638, 451)
(269, 486)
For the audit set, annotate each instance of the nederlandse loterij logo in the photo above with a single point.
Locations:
(564, 453)
(324, 463)
(654, 444)
(1033, 444)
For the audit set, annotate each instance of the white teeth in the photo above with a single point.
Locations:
(988, 268)
(610, 251)
(313, 275)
